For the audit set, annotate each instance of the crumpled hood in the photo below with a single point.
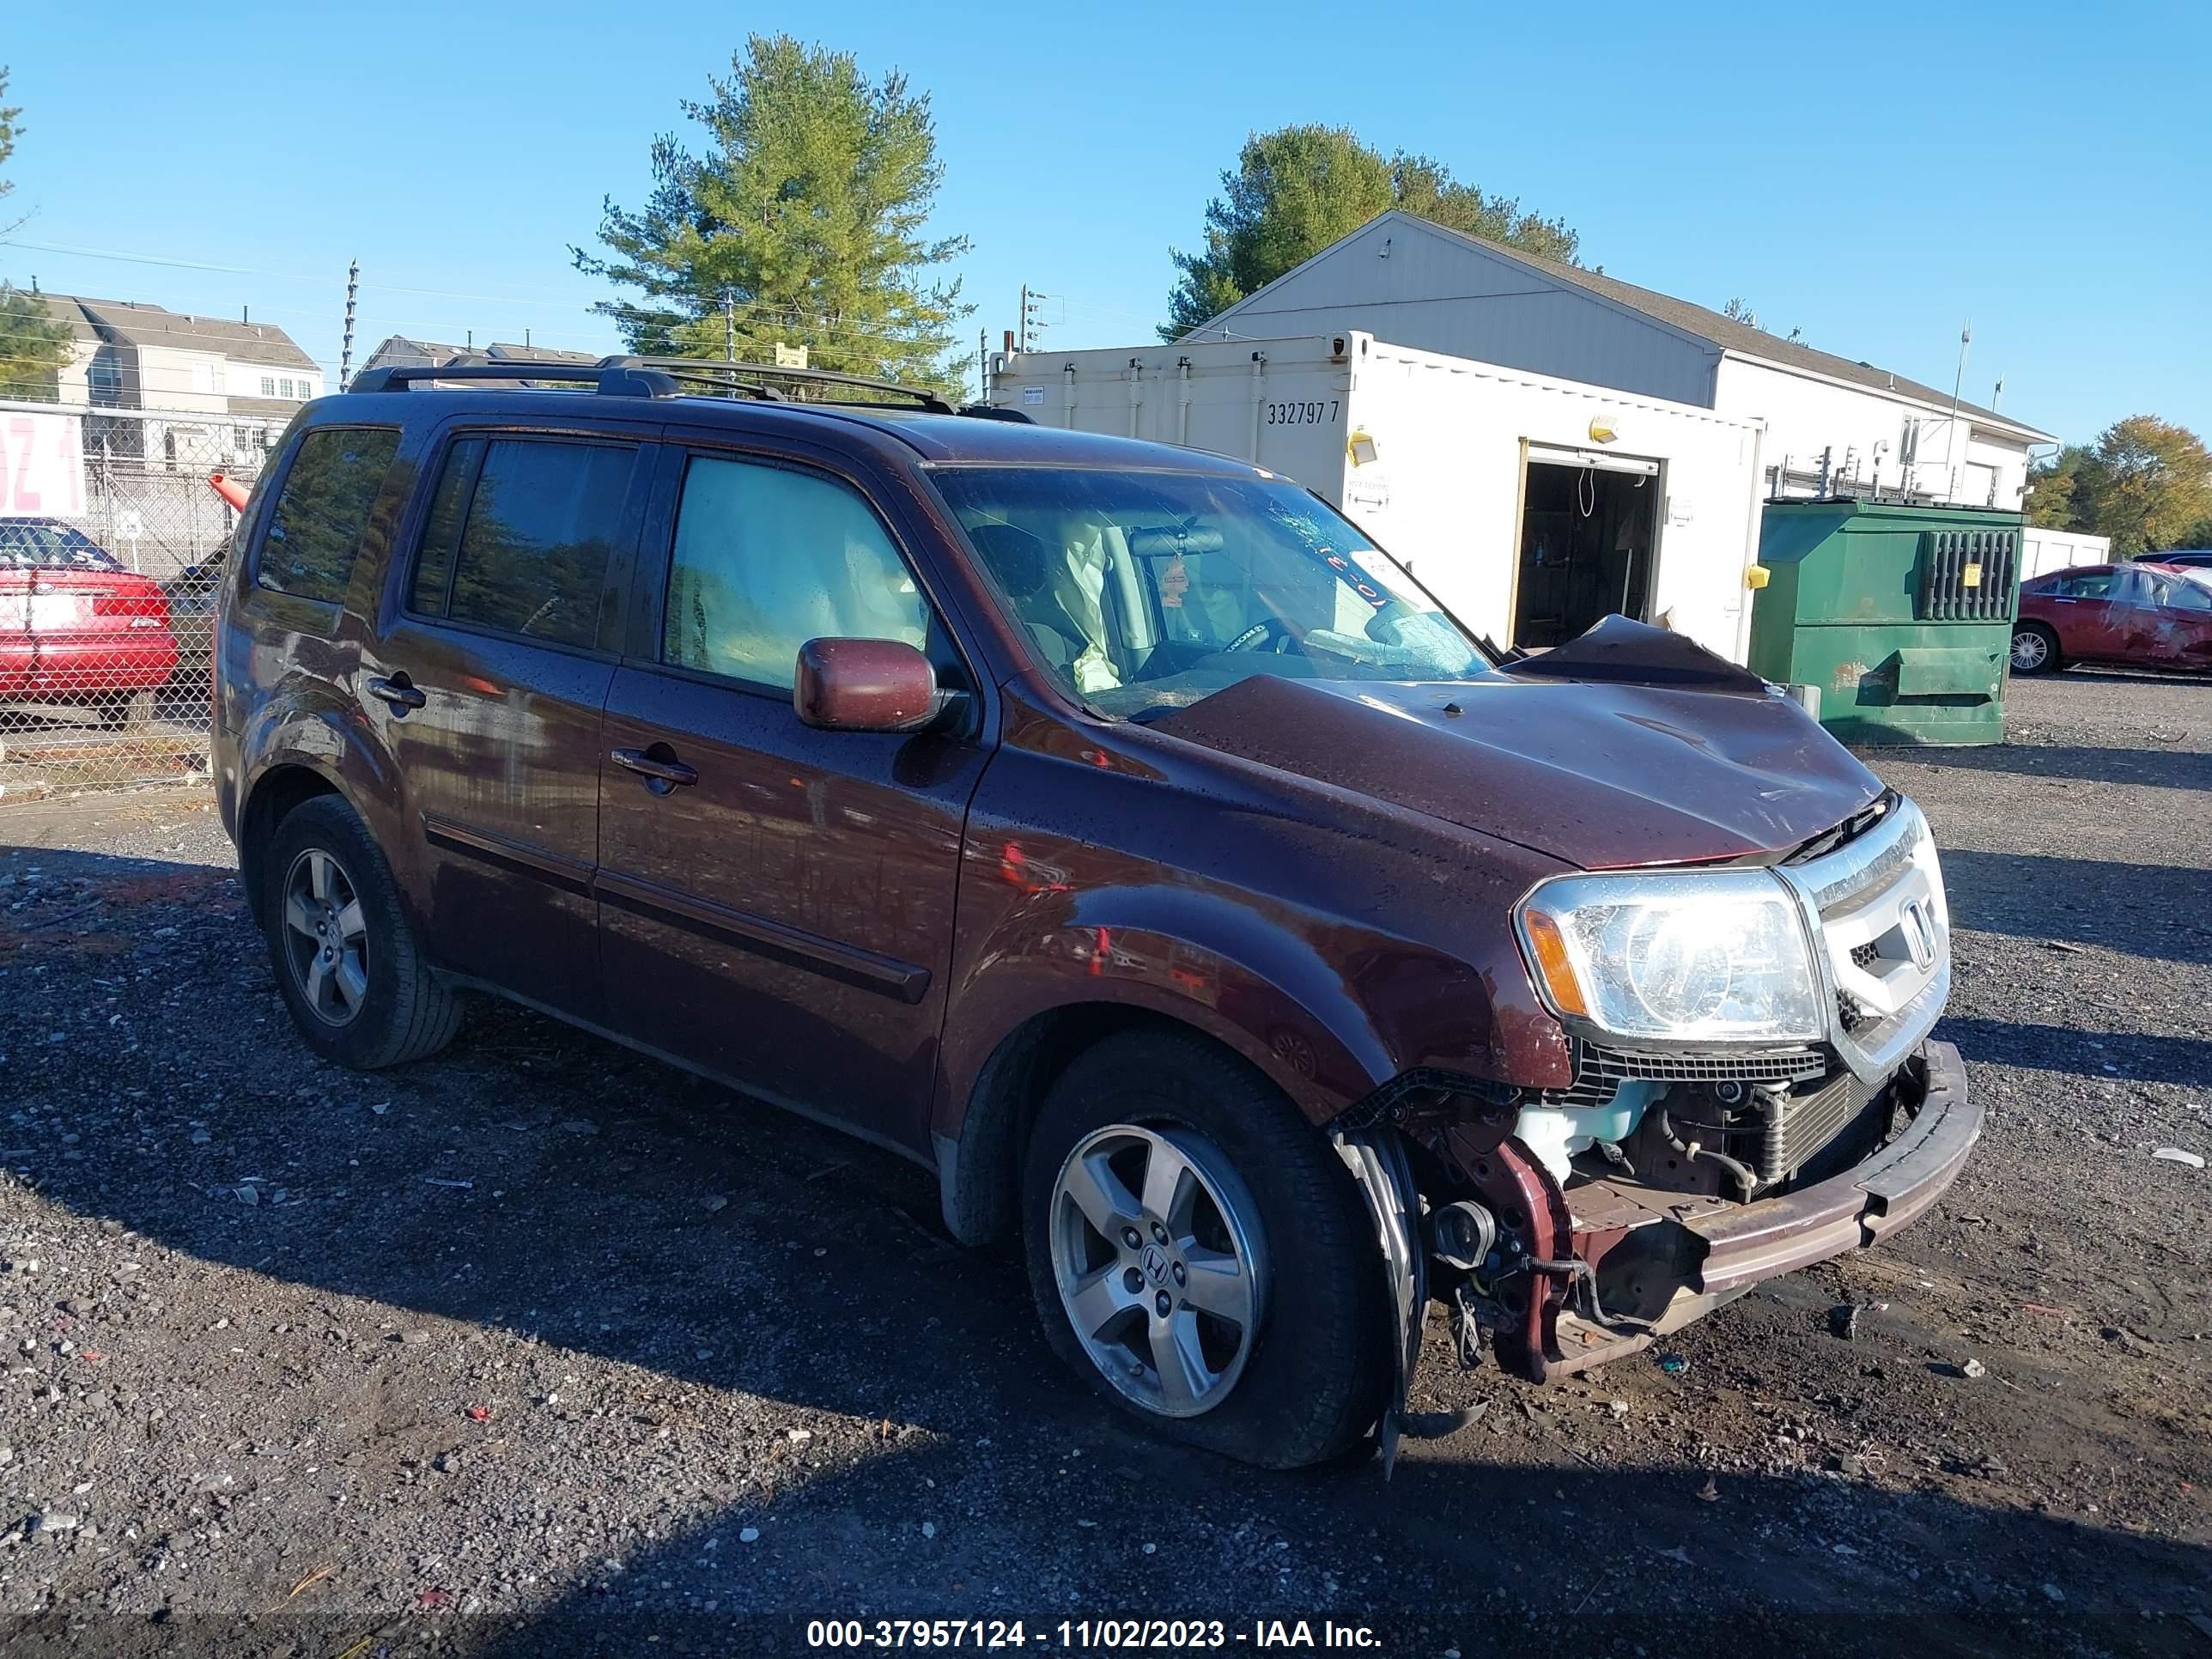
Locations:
(1601, 773)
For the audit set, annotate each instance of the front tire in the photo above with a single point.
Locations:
(1199, 1257)
(345, 959)
(2035, 649)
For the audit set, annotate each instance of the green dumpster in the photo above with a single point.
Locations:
(1901, 615)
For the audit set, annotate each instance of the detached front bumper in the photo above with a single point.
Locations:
(1848, 1212)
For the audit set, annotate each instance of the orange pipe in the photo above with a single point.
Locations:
(230, 489)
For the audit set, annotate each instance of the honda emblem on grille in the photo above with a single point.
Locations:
(1918, 927)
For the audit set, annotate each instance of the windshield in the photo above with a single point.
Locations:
(2191, 590)
(30, 544)
(1147, 590)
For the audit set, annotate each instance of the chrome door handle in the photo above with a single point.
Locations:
(660, 776)
(399, 692)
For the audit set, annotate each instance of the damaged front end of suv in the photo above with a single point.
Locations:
(1753, 1091)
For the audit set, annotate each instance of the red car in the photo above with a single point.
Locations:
(2144, 615)
(75, 628)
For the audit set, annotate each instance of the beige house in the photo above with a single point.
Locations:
(243, 379)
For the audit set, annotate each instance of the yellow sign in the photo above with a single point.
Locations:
(1973, 576)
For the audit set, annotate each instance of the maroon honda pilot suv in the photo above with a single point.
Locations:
(1112, 829)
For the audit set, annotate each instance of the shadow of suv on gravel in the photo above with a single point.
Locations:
(1113, 829)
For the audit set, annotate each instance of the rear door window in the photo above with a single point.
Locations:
(2098, 585)
(315, 528)
(520, 535)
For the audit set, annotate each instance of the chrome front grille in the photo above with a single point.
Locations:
(1876, 908)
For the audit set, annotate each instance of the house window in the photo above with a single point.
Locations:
(287, 388)
(269, 386)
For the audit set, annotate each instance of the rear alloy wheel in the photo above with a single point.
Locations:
(1200, 1255)
(344, 957)
(325, 937)
(2035, 649)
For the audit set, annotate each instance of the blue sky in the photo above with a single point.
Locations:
(1870, 176)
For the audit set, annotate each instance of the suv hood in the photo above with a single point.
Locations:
(1601, 772)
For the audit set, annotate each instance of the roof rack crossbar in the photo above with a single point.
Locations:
(616, 377)
(708, 368)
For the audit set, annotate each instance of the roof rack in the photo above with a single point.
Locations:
(664, 377)
(743, 377)
(616, 377)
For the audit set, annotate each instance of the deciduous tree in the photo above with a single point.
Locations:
(2145, 482)
(2051, 501)
(1297, 189)
(32, 345)
(800, 222)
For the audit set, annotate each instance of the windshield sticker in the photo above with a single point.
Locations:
(1337, 563)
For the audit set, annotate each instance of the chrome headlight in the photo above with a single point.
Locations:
(1697, 956)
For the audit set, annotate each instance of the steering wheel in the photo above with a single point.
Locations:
(1254, 637)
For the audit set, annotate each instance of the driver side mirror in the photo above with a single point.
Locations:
(867, 686)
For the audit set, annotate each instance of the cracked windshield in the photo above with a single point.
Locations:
(1146, 592)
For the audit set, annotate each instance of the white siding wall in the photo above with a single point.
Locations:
(1436, 293)
(1805, 415)
(168, 378)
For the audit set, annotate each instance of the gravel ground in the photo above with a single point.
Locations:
(541, 1347)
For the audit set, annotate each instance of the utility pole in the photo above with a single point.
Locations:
(982, 364)
(1950, 449)
(345, 352)
(729, 326)
(1032, 324)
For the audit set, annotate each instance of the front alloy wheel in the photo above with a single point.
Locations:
(1199, 1254)
(325, 936)
(1157, 1254)
(2031, 651)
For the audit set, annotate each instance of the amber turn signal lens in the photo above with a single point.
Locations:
(1550, 950)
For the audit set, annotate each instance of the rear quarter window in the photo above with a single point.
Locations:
(315, 528)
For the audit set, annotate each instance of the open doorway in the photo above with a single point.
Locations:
(1589, 525)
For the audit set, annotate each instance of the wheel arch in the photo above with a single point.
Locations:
(279, 789)
(302, 743)
(990, 1091)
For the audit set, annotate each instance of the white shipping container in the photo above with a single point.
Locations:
(2042, 551)
(1531, 505)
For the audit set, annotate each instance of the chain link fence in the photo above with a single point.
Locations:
(107, 611)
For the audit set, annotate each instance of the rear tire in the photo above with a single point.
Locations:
(345, 959)
(1307, 1374)
(127, 711)
(2035, 649)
